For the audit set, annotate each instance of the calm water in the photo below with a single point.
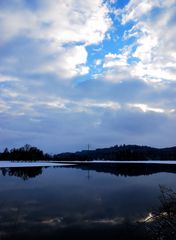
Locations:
(69, 203)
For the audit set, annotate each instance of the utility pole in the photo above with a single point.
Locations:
(88, 174)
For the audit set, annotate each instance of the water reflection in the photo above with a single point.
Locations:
(126, 169)
(22, 223)
(61, 203)
(116, 169)
(23, 172)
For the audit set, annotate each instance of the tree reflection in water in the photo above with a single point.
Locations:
(23, 172)
(126, 170)
(35, 214)
(116, 169)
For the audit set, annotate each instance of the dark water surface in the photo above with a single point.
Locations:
(69, 203)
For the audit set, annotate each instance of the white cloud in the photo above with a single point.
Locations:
(61, 21)
(115, 60)
(116, 75)
(9, 93)
(146, 108)
(136, 9)
(146, 45)
(68, 62)
(3, 106)
(62, 28)
(116, 68)
(85, 105)
(6, 78)
(14, 22)
(53, 102)
(153, 45)
(80, 21)
(100, 104)
(98, 62)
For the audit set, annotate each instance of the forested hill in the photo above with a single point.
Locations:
(122, 152)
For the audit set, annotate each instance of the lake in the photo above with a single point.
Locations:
(72, 202)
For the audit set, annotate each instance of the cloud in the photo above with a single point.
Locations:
(133, 125)
(60, 21)
(115, 60)
(44, 123)
(67, 63)
(149, 54)
(58, 30)
(146, 108)
(64, 83)
(6, 78)
(135, 9)
(154, 33)
(98, 62)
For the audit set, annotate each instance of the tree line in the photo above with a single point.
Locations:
(27, 152)
(122, 152)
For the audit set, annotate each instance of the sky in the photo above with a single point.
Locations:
(75, 72)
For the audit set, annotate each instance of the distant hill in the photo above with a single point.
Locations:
(122, 152)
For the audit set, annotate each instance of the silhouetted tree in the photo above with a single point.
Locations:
(5, 154)
(122, 152)
(162, 224)
(26, 152)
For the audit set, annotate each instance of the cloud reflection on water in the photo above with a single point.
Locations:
(63, 203)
